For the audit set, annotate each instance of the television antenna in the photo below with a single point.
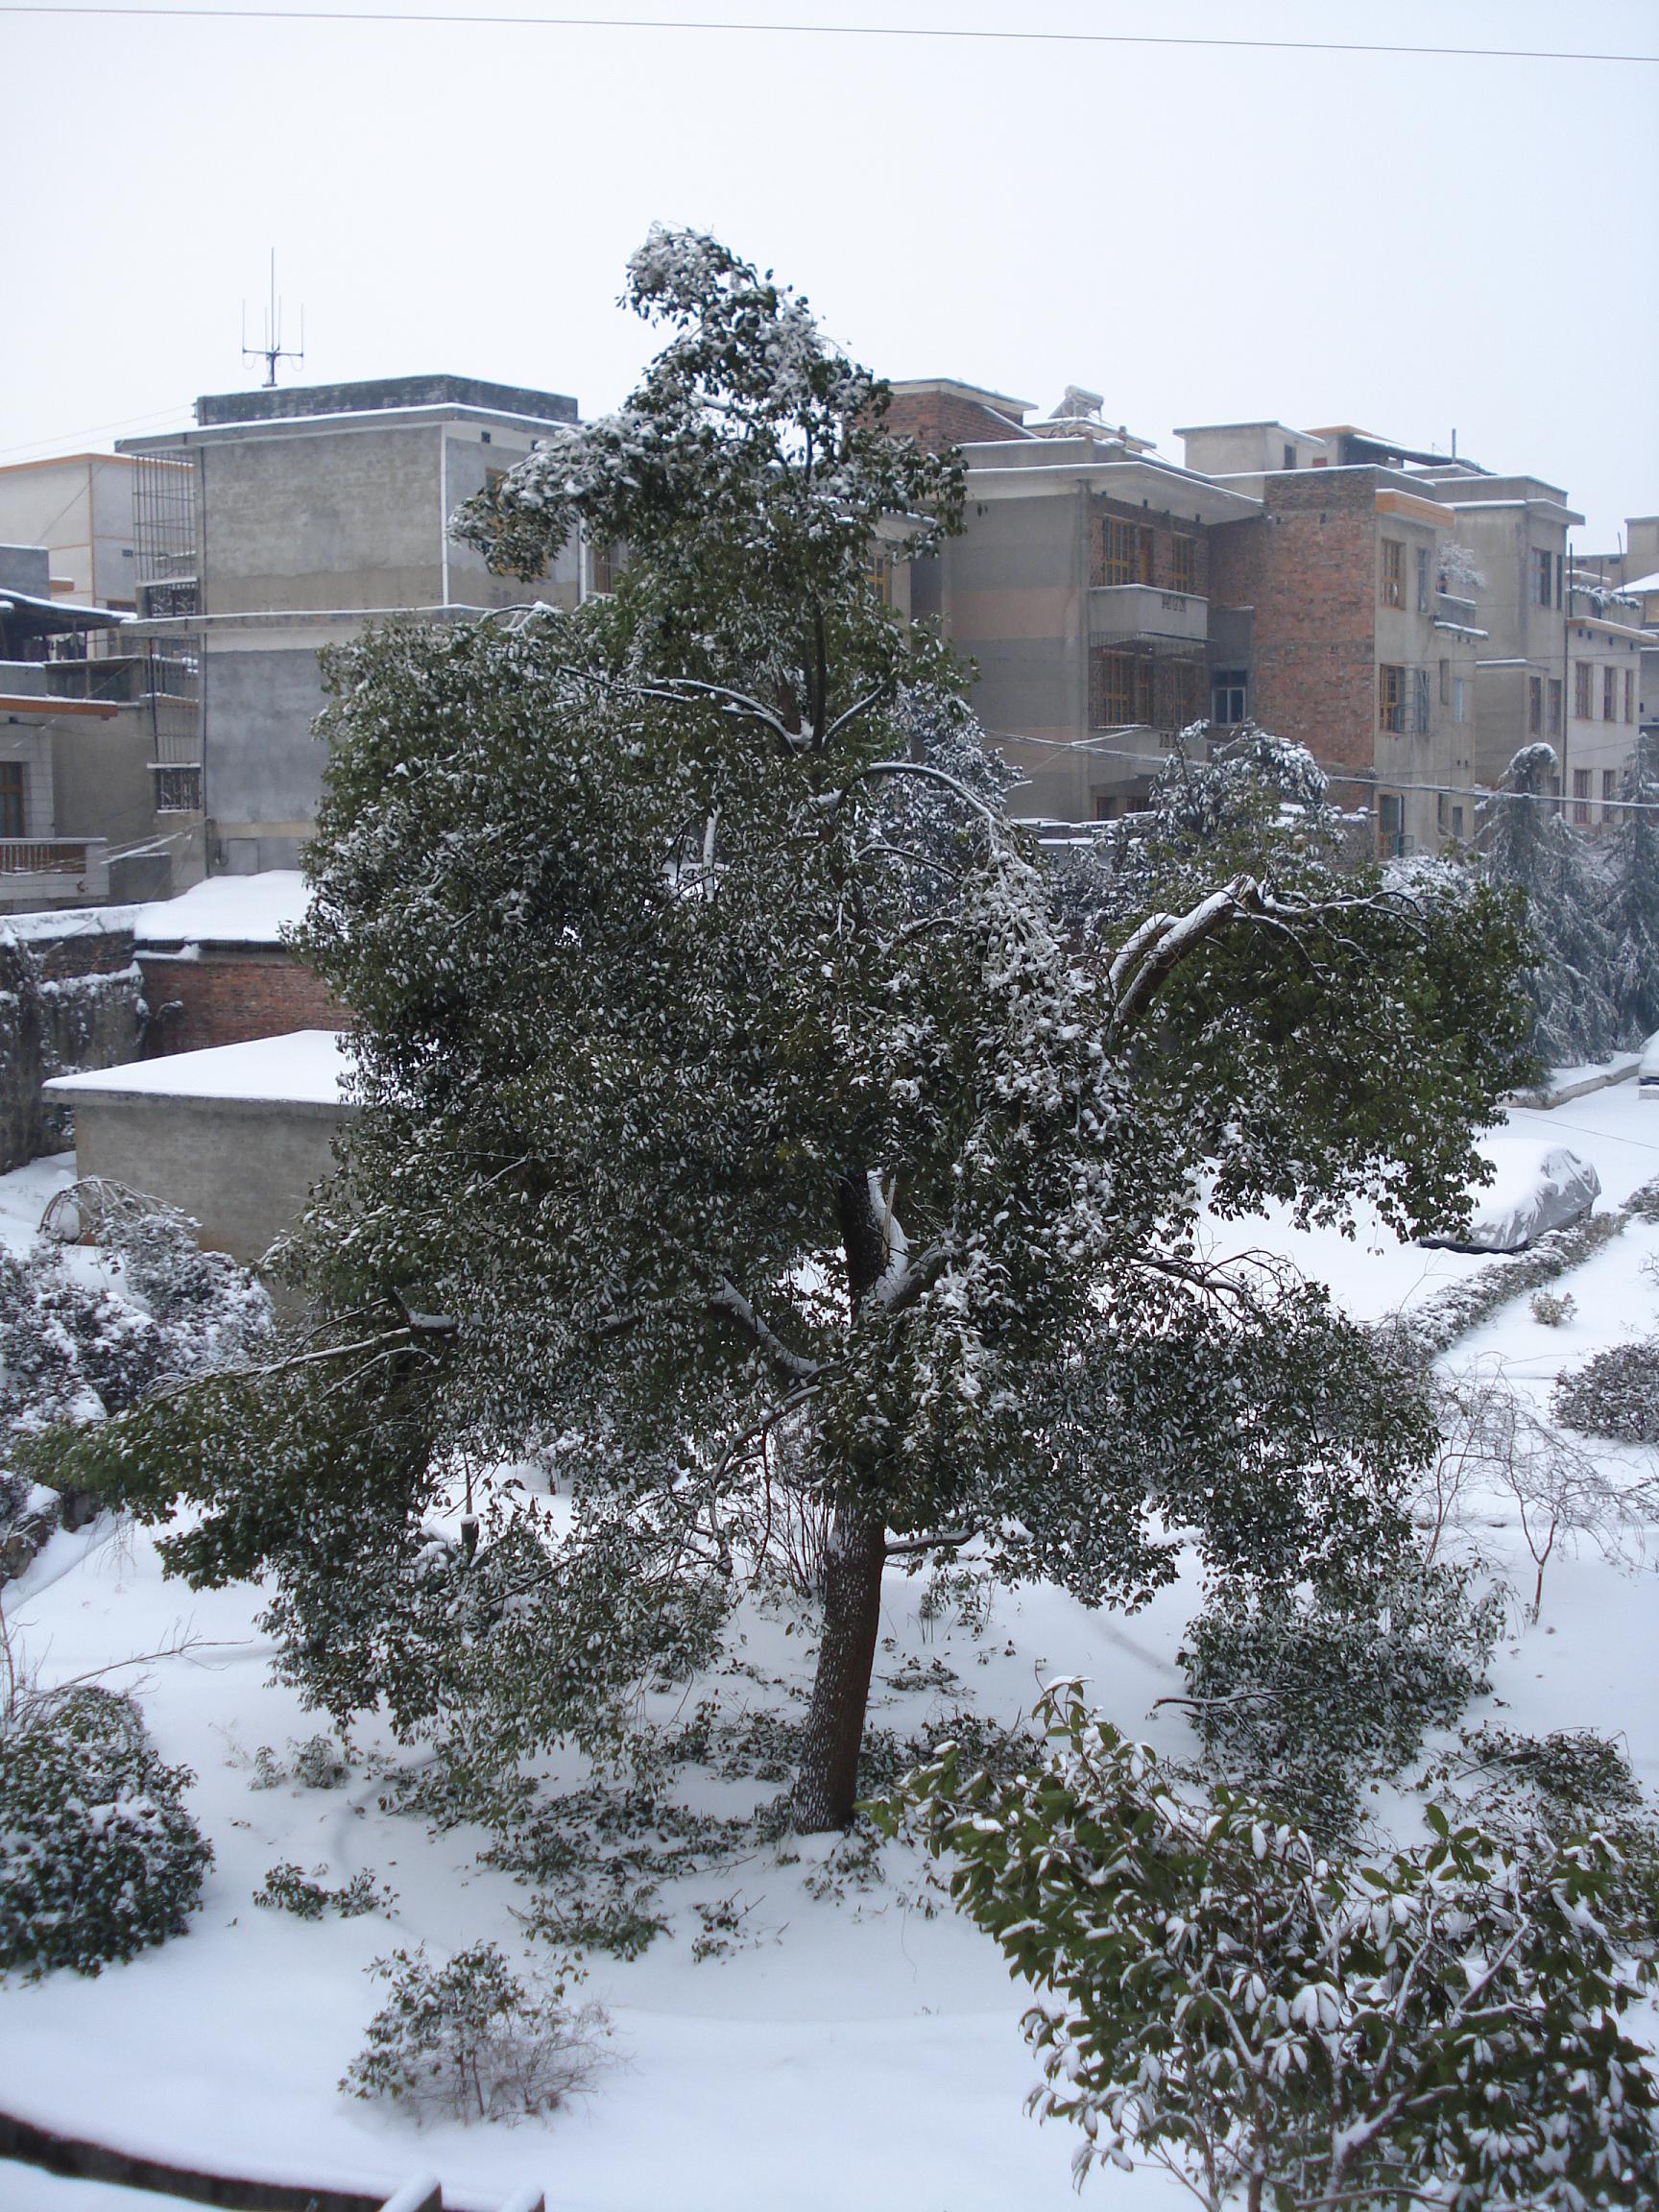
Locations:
(272, 351)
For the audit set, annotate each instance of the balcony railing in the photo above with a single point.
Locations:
(1119, 612)
(1453, 612)
(49, 867)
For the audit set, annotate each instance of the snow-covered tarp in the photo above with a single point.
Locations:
(227, 910)
(1647, 1068)
(1534, 1188)
(305, 1067)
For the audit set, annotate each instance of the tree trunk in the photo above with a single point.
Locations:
(827, 1785)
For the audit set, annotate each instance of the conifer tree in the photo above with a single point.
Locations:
(1633, 915)
(1526, 842)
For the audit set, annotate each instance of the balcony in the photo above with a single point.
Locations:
(1125, 614)
(55, 870)
(1452, 613)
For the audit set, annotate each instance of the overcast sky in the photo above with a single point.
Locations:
(1415, 245)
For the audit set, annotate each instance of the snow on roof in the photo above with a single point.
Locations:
(1643, 583)
(226, 909)
(306, 1067)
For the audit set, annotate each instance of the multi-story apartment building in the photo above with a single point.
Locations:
(1078, 589)
(80, 508)
(1339, 598)
(283, 522)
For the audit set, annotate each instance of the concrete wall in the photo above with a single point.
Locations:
(101, 778)
(242, 1167)
(264, 767)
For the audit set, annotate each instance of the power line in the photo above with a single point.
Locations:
(69, 437)
(953, 34)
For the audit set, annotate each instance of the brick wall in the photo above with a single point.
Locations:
(1308, 566)
(230, 993)
(67, 1001)
(941, 420)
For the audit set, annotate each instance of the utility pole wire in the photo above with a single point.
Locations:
(955, 33)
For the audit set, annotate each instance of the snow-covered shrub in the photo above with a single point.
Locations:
(1276, 2025)
(1521, 1788)
(1303, 1697)
(1615, 1394)
(471, 2041)
(212, 1309)
(288, 1889)
(1553, 1309)
(98, 1856)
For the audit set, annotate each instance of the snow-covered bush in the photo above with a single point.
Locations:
(1271, 2024)
(1305, 1697)
(1615, 1394)
(471, 2041)
(98, 1856)
(289, 1889)
(211, 1310)
(1554, 1309)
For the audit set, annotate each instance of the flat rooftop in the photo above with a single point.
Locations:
(374, 394)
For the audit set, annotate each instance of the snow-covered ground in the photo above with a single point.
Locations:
(859, 2053)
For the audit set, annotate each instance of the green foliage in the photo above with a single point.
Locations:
(470, 2040)
(1305, 1697)
(1633, 911)
(288, 1889)
(1296, 2030)
(99, 1856)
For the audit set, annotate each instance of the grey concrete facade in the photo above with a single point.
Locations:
(241, 1168)
(318, 510)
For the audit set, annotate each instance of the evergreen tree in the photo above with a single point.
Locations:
(1633, 915)
(1528, 842)
(736, 1109)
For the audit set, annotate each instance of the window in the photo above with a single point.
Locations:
(1554, 706)
(178, 790)
(1229, 697)
(1393, 573)
(1183, 563)
(1580, 794)
(1560, 571)
(1290, 456)
(1609, 792)
(1629, 695)
(1460, 698)
(1125, 552)
(1176, 695)
(1105, 810)
(1422, 720)
(603, 565)
(1391, 699)
(1126, 694)
(1457, 824)
(11, 798)
(1390, 824)
(1609, 694)
(1543, 577)
(1422, 579)
(1445, 682)
(1581, 675)
(880, 573)
(1535, 705)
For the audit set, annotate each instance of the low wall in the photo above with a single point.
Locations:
(230, 993)
(242, 1167)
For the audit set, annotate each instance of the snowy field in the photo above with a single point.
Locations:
(856, 2053)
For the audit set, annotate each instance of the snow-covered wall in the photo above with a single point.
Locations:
(71, 996)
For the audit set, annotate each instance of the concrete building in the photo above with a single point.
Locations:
(1078, 589)
(285, 522)
(72, 774)
(80, 508)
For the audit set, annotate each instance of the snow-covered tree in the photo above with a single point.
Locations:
(732, 1095)
(1527, 841)
(1633, 914)
(1280, 2026)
